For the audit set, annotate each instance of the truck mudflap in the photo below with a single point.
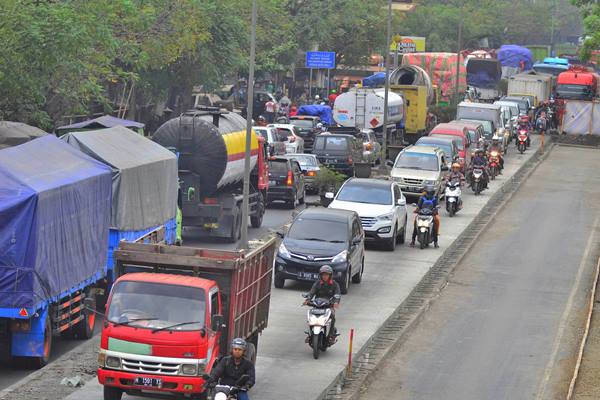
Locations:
(157, 383)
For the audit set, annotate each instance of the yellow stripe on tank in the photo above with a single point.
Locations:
(236, 143)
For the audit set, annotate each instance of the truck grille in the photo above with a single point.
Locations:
(367, 222)
(413, 181)
(146, 367)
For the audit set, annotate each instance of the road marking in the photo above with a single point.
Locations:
(563, 320)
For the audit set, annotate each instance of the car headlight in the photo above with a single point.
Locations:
(429, 183)
(113, 362)
(189, 369)
(283, 252)
(386, 217)
(341, 257)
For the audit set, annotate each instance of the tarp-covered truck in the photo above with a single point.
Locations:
(484, 75)
(144, 183)
(173, 312)
(211, 144)
(55, 205)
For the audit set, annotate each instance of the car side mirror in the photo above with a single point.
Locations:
(389, 163)
(217, 322)
(356, 241)
(329, 195)
(401, 202)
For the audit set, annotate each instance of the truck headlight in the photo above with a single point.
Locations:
(189, 369)
(426, 183)
(386, 217)
(341, 257)
(283, 251)
(113, 362)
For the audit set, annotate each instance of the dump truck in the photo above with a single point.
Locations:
(210, 144)
(577, 83)
(531, 84)
(173, 312)
(484, 75)
(55, 212)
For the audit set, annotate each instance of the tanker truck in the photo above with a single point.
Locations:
(210, 144)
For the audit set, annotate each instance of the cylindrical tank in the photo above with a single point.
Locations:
(209, 145)
(363, 108)
(412, 75)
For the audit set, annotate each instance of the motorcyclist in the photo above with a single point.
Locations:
(326, 288)
(524, 125)
(480, 161)
(231, 368)
(497, 147)
(321, 127)
(455, 174)
(261, 121)
(427, 200)
(317, 99)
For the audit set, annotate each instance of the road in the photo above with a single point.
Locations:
(285, 367)
(501, 328)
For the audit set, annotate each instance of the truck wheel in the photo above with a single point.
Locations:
(112, 393)
(251, 353)
(40, 362)
(256, 220)
(85, 328)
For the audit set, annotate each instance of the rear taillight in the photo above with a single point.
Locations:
(311, 173)
(369, 146)
(210, 200)
(290, 179)
(350, 160)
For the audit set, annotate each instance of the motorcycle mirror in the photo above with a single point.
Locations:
(337, 296)
(329, 195)
(414, 204)
(305, 295)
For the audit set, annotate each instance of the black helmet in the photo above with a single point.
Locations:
(261, 118)
(238, 343)
(430, 190)
(326, 269)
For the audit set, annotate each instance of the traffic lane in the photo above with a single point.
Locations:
(14, 372)
(492, 332)
(285, 367)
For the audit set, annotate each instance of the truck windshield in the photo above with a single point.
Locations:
(419, 161)
(155, 305)
(573, 91)
(549, 69)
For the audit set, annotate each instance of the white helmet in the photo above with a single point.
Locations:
(495, 138)
(317, 97)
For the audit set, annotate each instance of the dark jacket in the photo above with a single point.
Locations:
(325, 290)
(229, 373)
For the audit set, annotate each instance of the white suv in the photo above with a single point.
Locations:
(380, 205)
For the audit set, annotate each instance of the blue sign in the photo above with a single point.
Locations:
(320, 59)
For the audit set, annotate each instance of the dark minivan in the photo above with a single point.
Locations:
(307, 128)
(338, 151)
(286, 182)
(322, 236)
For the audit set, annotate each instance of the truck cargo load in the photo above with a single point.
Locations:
(16, 133)
(483, 72)
(144, 181)
(55, 213)
(514, 59)
(413, 75)
(323, 112)
(531, 83)
(364, 108)
(441, 68)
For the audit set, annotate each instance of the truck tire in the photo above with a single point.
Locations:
(256, 220)
(85, 328)
(40, 362)
(251, 353)
(112, 393)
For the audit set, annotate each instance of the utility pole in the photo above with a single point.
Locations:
(555, 5)
(458, 49)
(387, 86)
(249, 111)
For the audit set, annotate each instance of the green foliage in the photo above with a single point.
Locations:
(591, 23)
(328, 180)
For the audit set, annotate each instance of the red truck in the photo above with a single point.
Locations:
(577, 83)
(174, 310)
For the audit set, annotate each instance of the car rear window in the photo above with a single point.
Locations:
(278, 167)
(333, 143)
(302, 123)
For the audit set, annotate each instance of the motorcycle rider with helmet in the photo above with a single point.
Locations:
(231, 368)
(261, 121)
(326, 288)
(428, 200)
(455, 174)
(524, 126)
(479, 161)
(495, 146)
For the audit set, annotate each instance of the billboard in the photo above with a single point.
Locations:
(408, 44)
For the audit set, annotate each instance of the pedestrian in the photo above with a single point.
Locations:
(332, 97)
(270, 108)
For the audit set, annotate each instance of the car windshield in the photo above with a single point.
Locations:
(305, 161)
(445, 147)
(278, 167)
(153, 305)
(472, 134)
(302, 123)
(419, 161)
(283, 134)
(320, 230)
(331, 143)
(458, 141)
(487, 125)
(368, 194)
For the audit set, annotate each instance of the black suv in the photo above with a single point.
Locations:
(286, 181)
(338, 151)
(320, 236)
(307, 127)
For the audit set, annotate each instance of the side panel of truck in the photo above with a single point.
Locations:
(540, 88)
(415, 98)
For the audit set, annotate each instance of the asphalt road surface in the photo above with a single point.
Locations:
(501, 328)
(285, 366)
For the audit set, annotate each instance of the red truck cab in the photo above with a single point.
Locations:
(577, 84)
(170, 319)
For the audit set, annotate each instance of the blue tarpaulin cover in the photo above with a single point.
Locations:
(323, 112)
(374, 80)
(54, 221)
(483, 73)
(511, 55)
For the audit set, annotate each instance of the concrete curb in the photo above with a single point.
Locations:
(411, 310)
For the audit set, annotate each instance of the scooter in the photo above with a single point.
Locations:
(452, 196)
(477, 180)
(522, 141)
(494, 164)
(226, 392)
(319, 324)
(425, 225)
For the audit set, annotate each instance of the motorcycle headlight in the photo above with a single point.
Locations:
(494, 154)
(341, 257)
(386, 217)
(189, 369)
(283, 252)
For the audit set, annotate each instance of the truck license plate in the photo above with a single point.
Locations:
(148, 382)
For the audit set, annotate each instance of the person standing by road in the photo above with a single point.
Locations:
(541, 124)
(270, 108)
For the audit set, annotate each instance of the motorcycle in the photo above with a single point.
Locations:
(494, 164)
(452, 196)
(522, 141)
(319, 323)
(425, 225)
(226, 392)
(477, 180)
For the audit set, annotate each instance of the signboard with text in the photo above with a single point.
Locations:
(408, 44)
(320, 59)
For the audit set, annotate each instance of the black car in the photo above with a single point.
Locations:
(338, 151)
(307, 128)
(322, 236)
(286, 181)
